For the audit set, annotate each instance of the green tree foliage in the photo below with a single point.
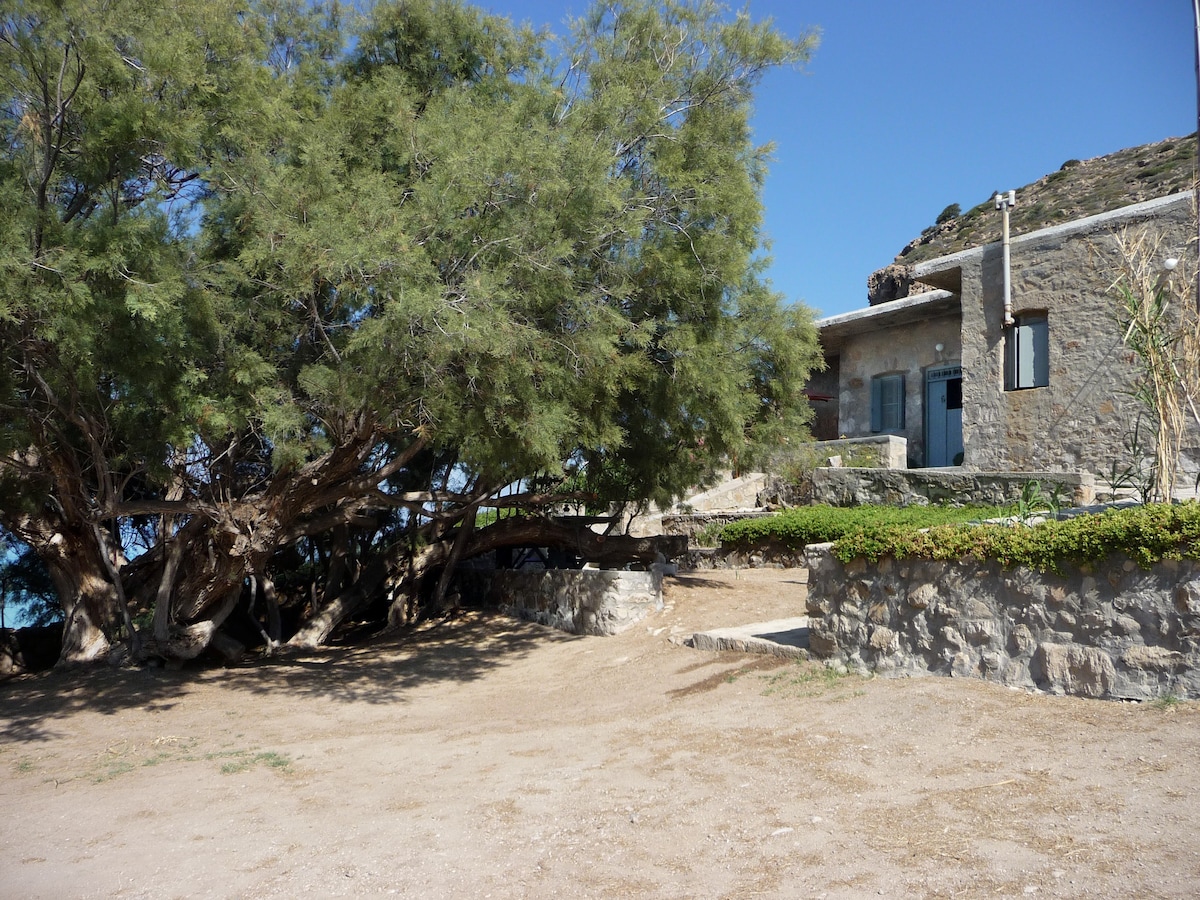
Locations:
(953, 211)
(289, 292)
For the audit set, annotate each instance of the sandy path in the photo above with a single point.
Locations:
(486, 757)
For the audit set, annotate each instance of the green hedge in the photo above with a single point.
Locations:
(1146, 534)
(821, 524)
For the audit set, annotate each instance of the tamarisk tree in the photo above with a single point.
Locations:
(287, 297)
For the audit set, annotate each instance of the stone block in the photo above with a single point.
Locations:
(980, 632)
(1155, 659)
(816, 605)
(884, 640)
(1074, 669)
(952, 638)
(921, 596)
(963, 665)
(581, 601)
(1021, 642)
(991, 662)
(1187, 598)
(822, 644)
(1126, 625)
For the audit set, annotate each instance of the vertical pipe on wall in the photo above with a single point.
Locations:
(1005, 202)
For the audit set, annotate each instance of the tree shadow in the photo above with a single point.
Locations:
(690, 582)
(379, 670)
(693, 581)
(383, 669)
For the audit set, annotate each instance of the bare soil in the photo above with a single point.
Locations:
(483, 757)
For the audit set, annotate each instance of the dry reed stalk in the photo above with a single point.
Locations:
(1157, 312)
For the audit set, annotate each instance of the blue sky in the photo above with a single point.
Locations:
(907, 107)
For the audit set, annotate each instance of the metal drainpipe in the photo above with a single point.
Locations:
(1005, 202)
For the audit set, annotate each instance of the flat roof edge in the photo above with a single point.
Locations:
(880, 310)
(1087, 223)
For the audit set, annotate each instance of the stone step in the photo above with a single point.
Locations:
(780, 637)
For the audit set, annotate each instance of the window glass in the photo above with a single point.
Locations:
(1027, 353)
(954, 393)
(887, 403)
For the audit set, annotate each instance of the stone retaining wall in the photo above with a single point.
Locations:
(1110, 630)
(690, 525)
(887, 451)
(581, 601)
(908, 487)
(768, 555)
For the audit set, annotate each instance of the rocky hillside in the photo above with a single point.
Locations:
(1080, 188)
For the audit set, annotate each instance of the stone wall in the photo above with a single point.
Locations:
(691, 525)
(1081, 420)
(1110, 630)
(581, 601)
(898, 350)
(885, 451)
(768, 555)
(854, 487)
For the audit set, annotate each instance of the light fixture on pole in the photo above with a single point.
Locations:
(1005, 202)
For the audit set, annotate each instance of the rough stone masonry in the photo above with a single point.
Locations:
(1108, 630)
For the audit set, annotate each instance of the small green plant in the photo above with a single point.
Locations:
(1167, 701)
(804, 679)
(1138, 474)
(1036, 500)
(709, 535)
(112, 769)
(798, 466)
(244, 762)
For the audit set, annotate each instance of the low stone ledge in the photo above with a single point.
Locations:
(909, 487)
(1110, 630)
(764, 556)
(580, 601)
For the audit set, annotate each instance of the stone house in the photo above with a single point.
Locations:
(1049, 393)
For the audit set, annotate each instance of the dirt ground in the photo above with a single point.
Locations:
(485, 757)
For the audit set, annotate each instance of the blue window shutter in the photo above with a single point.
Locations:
(876, 404)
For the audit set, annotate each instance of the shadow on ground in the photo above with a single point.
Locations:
(378, 671)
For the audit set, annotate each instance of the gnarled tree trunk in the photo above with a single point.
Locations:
(87, 596)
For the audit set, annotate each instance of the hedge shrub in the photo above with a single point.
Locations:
(1146, 534)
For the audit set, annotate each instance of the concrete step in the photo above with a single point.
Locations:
(780, 637)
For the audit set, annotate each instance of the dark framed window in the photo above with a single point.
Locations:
(887, 403)
(1027, 353)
